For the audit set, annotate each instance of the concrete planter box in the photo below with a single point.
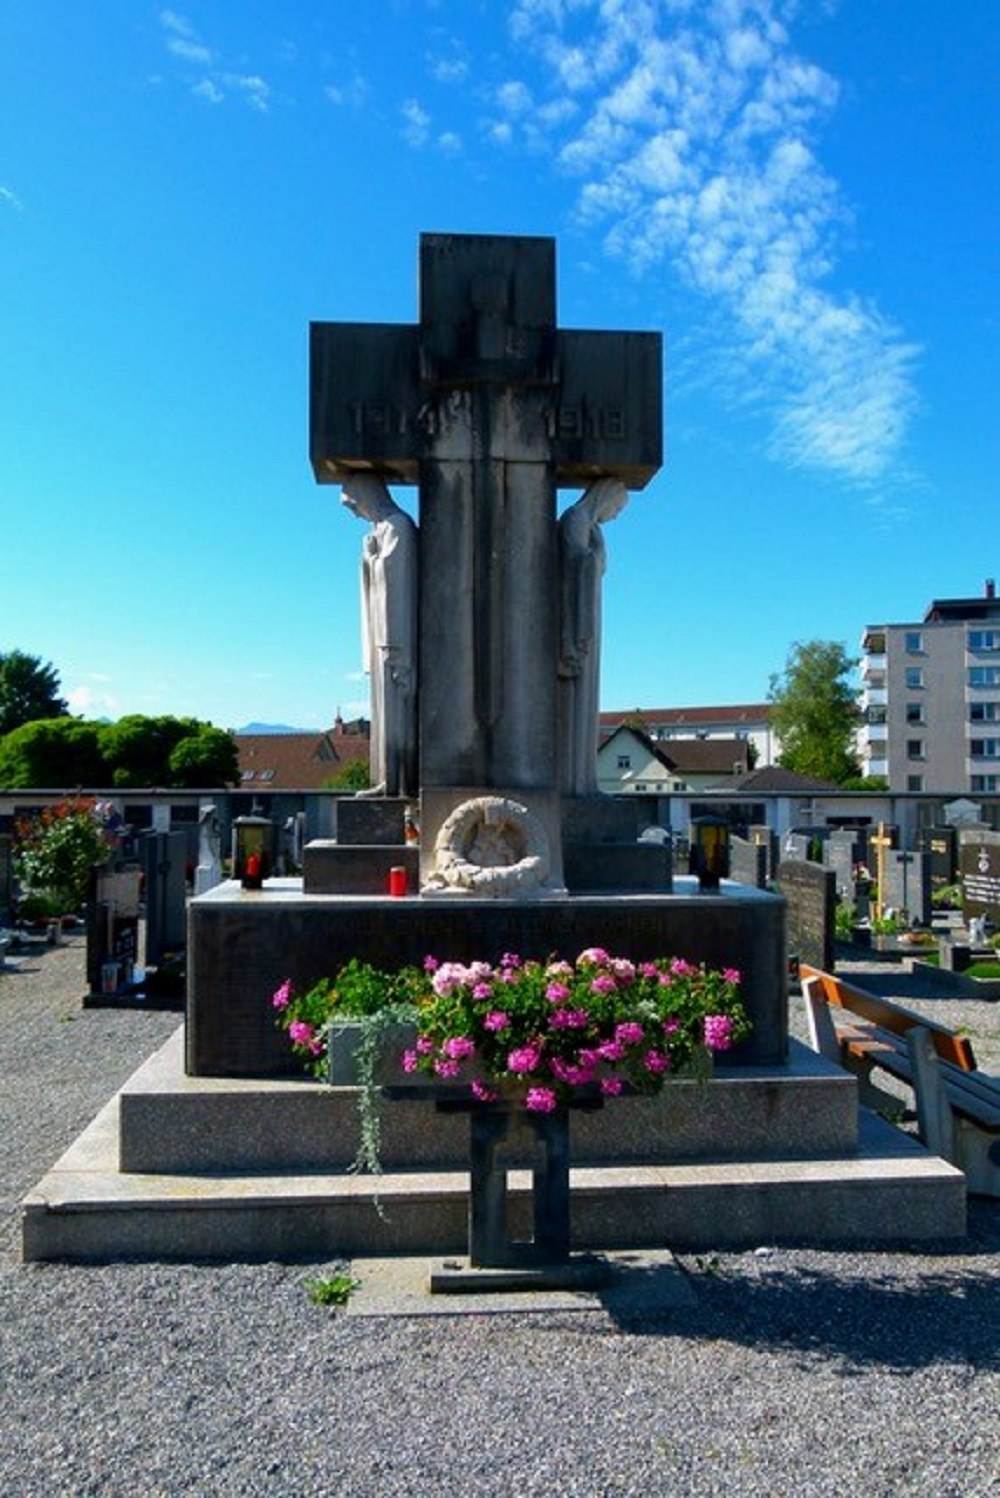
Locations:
(344, 1044)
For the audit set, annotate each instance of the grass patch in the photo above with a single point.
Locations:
(331, 1289)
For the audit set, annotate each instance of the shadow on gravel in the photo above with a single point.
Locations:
(899, 1317)
(883, 1320)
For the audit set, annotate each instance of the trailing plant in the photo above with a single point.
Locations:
(844, 919)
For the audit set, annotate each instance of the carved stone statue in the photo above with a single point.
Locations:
(582, 562)
(389, 633)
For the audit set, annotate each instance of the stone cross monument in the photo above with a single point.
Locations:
(489, 407)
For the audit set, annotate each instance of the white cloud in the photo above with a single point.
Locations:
(450, 143)
(416, 124)
(209, 91)
(352, 94)
(11, 197)
(216, 83)
(692, 125)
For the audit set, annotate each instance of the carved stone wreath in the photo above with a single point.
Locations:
(491, 845)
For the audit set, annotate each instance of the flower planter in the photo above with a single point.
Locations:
(344, 1043)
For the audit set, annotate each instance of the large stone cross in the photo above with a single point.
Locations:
(488, 406)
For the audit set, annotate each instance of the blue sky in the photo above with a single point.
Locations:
(802, 197)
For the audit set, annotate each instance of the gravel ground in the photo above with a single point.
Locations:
(786, 1373)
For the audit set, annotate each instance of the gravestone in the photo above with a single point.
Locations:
(164, 862)
(810, 893)
(795, 847)
(489, 407)
(6, 879)
(112, 930)
(841, 856)
(907, 885)
(748, 862)
(941, 845)
(979, 860)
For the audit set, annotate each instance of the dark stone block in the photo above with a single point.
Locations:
(625, 867)
(332, 869)
(811, 895)
(379, 819)
(243, 944)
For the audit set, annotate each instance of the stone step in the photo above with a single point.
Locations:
(889, 1190)
(172, 1123)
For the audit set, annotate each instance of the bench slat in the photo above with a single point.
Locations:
(892, 1017)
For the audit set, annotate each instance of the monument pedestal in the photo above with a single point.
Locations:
(242, 944)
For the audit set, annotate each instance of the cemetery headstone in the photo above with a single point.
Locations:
(979, 857)
(748, 862)
(840, 856)
(810, 893)
(941, 845)
(112, 930)
(907, 886)
(164, 860)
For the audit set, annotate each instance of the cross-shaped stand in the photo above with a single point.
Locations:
(495, 1261)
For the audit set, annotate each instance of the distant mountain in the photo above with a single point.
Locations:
(273, 728)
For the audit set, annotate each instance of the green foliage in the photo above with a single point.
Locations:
(868, 784)
(844, 919)
(52, 753)
(29, 689)
(947, 897)
(207, 757)
(814, 711)
(331, 1289)
(56, 851)
(135, 752)
(353, 777)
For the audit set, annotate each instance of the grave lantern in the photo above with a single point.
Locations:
(709, 855)
(252, 839)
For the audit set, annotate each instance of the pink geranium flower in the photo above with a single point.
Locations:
(301, 1033)
(629, 1032)
(457, 1047)
(592, 957)
(283, 995)
(524, 1058)
(540, 1100)
(496, 1020)
(611, 1086)
(718, 1032)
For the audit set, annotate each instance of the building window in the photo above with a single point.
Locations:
(914, 642)
(914, 782)
(914, 712)
(914, 748)
(985, 783)
(984, 639)
(877, 713)
(984, 676)
(984, 712)
(914, 678)
(985, 748)
(624, 761)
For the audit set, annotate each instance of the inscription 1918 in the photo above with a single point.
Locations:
(374, 418)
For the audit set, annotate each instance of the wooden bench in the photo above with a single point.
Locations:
(958, 1106)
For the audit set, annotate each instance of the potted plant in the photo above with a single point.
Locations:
(524, 1033)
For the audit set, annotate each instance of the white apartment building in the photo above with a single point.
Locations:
(931, 698)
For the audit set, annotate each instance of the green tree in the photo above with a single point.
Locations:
(353, 777)
(208, 757)
(29, 689)
(138, 749)
(814, 711)
(53, 753)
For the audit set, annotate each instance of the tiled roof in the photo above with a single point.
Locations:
(688, 756)
(777, 781)
(296, 761)
(742, 712)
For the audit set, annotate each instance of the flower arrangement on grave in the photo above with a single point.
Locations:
(534, 1033)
